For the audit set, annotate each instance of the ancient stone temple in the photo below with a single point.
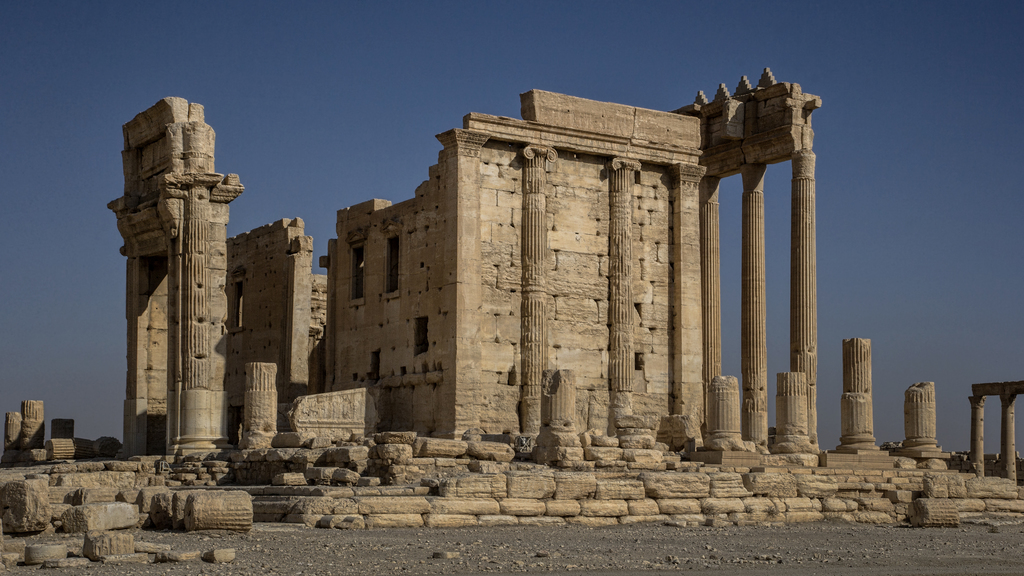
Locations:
(583, 237)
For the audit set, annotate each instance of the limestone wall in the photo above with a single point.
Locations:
(269, 289)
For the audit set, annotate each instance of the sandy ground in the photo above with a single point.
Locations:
(991, 547)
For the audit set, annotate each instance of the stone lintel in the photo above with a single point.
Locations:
(998, 388)
(575, 140)
(770, 147)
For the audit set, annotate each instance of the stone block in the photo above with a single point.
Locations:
(344, 476)
(522, 507)
(449, 520)
(872, 517)
(771, 485)
(591, 521)
(816, 485)
(530, 485)
(676, 484)
(494, 451)
(464, 506)
(395, 438)
(991, 488)
(760, 509)
(541, 520)
(562, 508)
(727, 485)
(574, 485)
(997, 505)
(161, 510)
(497, 520)
(107, 544)
(644, 507)
(875, 505)
(378, 521)
(25, 505)
(93, 496)
(969, 504)
(944, 486)
(289, 479)
(90, 517)
(65, 563)
(319, 474)
(711, 506)
(178, 556)
(345, 454)
(642, 455)
(342, 522)
(394, 453)
(133, 558)
(603, 508)
(334, 415)
(619, 489)
(36, 554)
(219, 556)
(475, 486)
(601, 453)
(439, 448)
(392, 505)
(798, 516)
(289, 440)
(218, 510)
(675, 506)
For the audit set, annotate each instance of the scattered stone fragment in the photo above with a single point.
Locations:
(178, 556)
(125, 559)
(66, 563)
(446, 555)
(90, 517)
(219, 555)
(108, 544)
(36, 554)
(220, 510)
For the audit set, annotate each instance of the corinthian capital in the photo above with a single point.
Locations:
(464, 142)
(616, 164)
(532, 151)
(803, 163)
(689, 173)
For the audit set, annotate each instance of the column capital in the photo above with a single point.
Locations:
(978, 401)
(803, 163)
(464, 142)
(616, 164)
(753, 177)
(1007, 399)
(690, 173)
(532, 151)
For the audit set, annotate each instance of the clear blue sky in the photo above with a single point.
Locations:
(318, 106)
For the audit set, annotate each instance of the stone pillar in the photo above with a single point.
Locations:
(33, 426)
(919, 417)
(620, 281)
(560, 397)
(62, 428)
(791, 415)
(12, 432)
(558, 444)
(977, 434)
(1007, 449)
(688, 387)
(754, 341)
(710, 285)
(534, 312)
(260, 413)
(724, 419)
(857, 419)
(803, 300)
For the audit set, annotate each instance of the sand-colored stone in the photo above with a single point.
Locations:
(25, 505)
(724, 416)
(36, 554)
(222, 510)
(933, 513)
(99, 544)
(260, 416)
(676, 485)
(522, 507)
(99, 517)
(856, 404)
(33, 425)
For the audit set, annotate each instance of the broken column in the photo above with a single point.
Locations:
(754, 343)
(60, 449)
(857, 419)
(724, 420)
(12, 432)
(803, 303)
(919, 421)
(791, 435)
(558, 443)
(534, 253)
(260, 416)
(33, 426)
(977, 434)
(620, 285)
(1007, 449)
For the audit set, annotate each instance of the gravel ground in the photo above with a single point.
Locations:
(991, 547)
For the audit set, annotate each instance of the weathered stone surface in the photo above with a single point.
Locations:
(574, 485)
(727, 485)
(721, 505)
(335, 415)
(220, 510)
(219, 555)
(25, 505)
(816, 485)
(378, 521)
(342, 522)
(36, 554)
(676, 484)
(439, 448)
(93, 517)
(107, 544)
(178, 556)
(771, 485)
(562, 508)
(494, 451)
(619, 489)
(392, 505)
(643, 507)
(449, 520)
(470, 506)
(395, 438)
(104, 479)
(498, 520)
(603, 508)
(394, 453)
(125, 559)
(476, 486)
(66, 563)
(522, 507)
(346, 454)
(93, 496)
(989, 487)
(945, 486)
(530, 485)
(289, 479)
(997, 505)
(675, 506)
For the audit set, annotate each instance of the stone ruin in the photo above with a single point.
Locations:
(560, 360)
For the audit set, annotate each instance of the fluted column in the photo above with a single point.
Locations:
(33, 425)
(620, 286)
(791, 415)
(857, 418)
(12, 431)
(561, 399)
(710, 284)
(260, 414)
(724, 419)
(754, 315)
(1008, 449)
(919, 416)
(533, 313)
(803, 302)
(977, 434)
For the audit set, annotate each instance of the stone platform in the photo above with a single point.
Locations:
(860, 459)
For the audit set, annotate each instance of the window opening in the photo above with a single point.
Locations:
(358, 262)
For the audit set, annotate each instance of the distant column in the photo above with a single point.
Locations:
(534, 256)
(977, 434)
(260, 415)
(33, 426)
(803, 307)
(620, 271)
(857, 418)
(724, 416)
(1008, 450)
(12, 432)
(754, 315)
(710, 284)
(791, 415)
(919, 417)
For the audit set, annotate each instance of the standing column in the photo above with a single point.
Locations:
(977, 434)
(533, 313)
(710, 285)
(33, 425)
(260, 417)
(12, 431)
(620, 286)
(791, 414)
(724, 416)
(754, 316)
(857, 417)
(803, 295)
(919, 418)
(688, 386)
(1008, 450)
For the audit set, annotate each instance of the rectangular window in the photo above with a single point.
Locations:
(374, 366)
(357, 272)
(392, 265)
(422, 344)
